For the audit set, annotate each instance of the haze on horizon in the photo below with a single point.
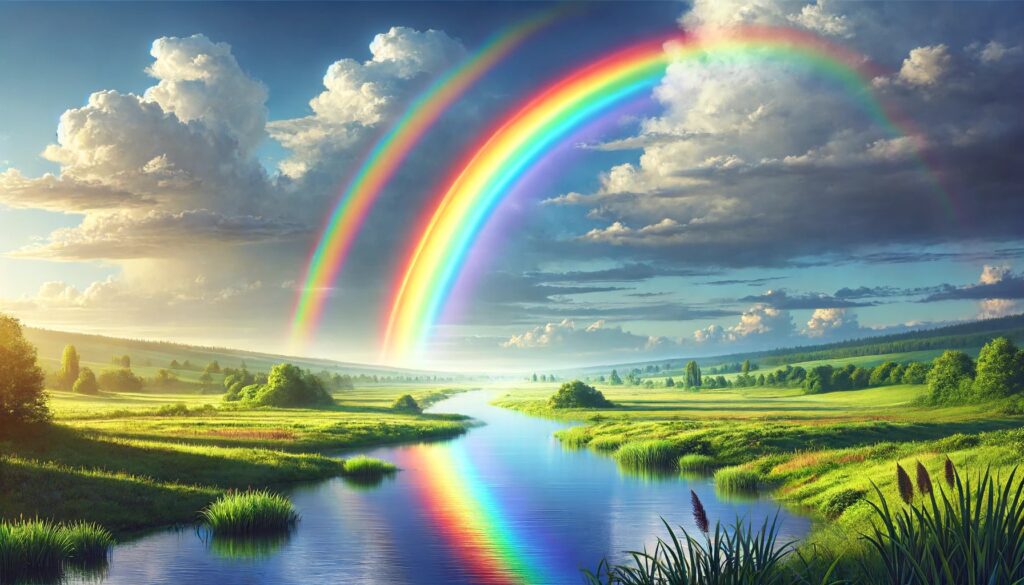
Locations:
(164, 173)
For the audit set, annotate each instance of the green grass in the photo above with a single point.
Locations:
(651, 455)
(737, 479)
(250, 513)
(696, 463)
(368, 467)
(42, 550)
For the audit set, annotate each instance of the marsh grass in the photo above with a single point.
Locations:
(656, 454)
(363, 467)
(250, 513)
(607, 442)
(737, 479)
(39, 550)
(696, 463)
(247, 547)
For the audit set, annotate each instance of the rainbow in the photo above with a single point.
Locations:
(381, 163)
(469, 518)
(488, 171)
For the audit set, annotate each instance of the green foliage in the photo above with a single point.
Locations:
(669, 382)
(38, 550)
(576, 394)
(819, 379)
(693, 374)
(286, 386)
(614, 379)
(406, 403)
(838, 502)
(696, 463)
(1000, 369)
(916, 373)
(368, 467)
(652, 455)
(250, 513)
(950, 378)
(121, 380)
(69, 368)
(22, 399)
(738, 478)
(86, 382)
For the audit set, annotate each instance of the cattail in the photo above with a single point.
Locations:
(950, 473)
(903, 481)
(699, 515)
(924, 481)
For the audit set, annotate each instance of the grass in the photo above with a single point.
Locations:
(696, 463)
(250, 513)
(651, 455)
(737, 479)
(368, 467)
(42, 550)
(134, 462)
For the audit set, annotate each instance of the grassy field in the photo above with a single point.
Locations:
(131, 462)
(819, 452)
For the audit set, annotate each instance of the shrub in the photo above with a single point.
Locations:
(368, 467)
(250, 513)
(286, 386)
(86, 382)
(576, 394)
(121, 380)
(656, 454)
(22, 399)
(838, 502)
(406, 403)
(696, 463)
(737, 479)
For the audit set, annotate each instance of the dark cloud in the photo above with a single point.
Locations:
(1010, 287)
(780, 299)
(746, 281)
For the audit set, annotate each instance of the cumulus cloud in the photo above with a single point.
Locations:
(595, 338)
(64, 194)
(759, 323)
(926, 66)
(832, 323)
(781, 299)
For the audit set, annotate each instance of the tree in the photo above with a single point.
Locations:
(165, 378)
(287, 385)
(126, 362)
(175, 365)
(69, 368)
(916, 373)
(881, 374)
(213, 367)
(614, 379)
(760, 380)
(692, 374)
(669, 382)
(745, 368)
(999, 370)
(576, 394)
(86, 382)
(406, 403)
(21, 380)
(121, 380)
(534, 378)
(819, 379)
(860, 378)
(951, 377)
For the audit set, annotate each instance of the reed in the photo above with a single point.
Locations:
(250, 513)
(657, 454)
(696, 463)
(40, 550)
(737, 478)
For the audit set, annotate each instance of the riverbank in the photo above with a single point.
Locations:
(820, 453)
(135, 462)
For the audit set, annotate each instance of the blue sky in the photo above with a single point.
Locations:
(729, 211)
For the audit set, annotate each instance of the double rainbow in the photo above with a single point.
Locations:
(489, 170)
(381, 163)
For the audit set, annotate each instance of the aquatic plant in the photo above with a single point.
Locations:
(656, 454)
(696, 463)
(367, 467)
(41, 550)
(250, 513)
(737, 478)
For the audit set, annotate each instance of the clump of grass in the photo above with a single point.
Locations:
(969, 534)
(838, 502)
(606, 442)
(247, 547)
(696, 463)
(573, 437)
(656, 454)
(737, 478)
(250, 513)
(41, 550)
(368, 467)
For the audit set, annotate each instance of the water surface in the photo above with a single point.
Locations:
(505, 502)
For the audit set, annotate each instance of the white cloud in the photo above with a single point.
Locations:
(758, 323)
(820, 17)
(992, 274)
(65, 193)
(595, 338)
(832, 323)
(926, 66)
(995, 52)
(994, 308)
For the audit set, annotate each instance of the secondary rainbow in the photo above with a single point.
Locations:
(488, 171)
(381, 163)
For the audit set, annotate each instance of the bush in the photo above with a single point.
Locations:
(250, 513)
(21, 380)
(737, 479)
(286, 386)
(657, 454)
(86, 382)
(406, 403)
(121, 380)
(576, 394)
(840, 501)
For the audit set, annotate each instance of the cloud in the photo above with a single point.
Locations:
(759, 323)
(155, 234)
(781, 299)
(65, 194)
(926, 66)
(832, 323)
(596, 338)
(995, 52)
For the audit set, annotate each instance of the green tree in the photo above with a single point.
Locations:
(614, 379)
(745, 368)
(576, 394)
(69, 368)
(951, 377)
(760, 379)
(916, 373)
(126, 362)
(882, 373)
(86, 382)
(406, 403)
(692, 374)
(213, 367)
(999, 369)
(669, 382)
(819, 379)
(120, 380)
(286, 386)
(534, 378)
(860, 378)
(175, 365)
(22, 399)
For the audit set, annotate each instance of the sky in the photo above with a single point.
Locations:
(166, 168)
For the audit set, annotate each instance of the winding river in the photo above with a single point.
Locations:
(504, 503)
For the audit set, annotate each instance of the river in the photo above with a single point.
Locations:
(502, 503)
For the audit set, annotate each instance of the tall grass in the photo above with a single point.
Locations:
(966, 535)
(737, 479)
(368, 468)
(42, 550)
(696, 463)
(657, 454)
(250, 513)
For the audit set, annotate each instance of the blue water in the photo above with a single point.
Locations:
(567, 509)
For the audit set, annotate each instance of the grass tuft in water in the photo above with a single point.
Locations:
(368, 468)
(250, 513)
(33, 550)
(657, 454)
(737, 479)
(696, 463)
